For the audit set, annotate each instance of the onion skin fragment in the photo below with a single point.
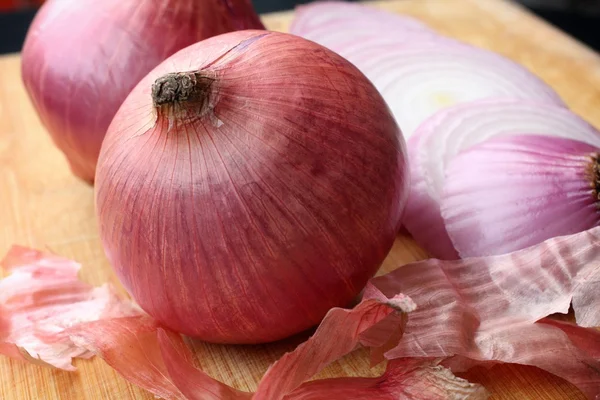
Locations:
(242, 215)
(42, 299)
(407, 378)
(158, 360)
(82, 57)
(486, 310)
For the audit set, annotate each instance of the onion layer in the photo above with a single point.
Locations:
(417, 72)
(82, 57)
(453, 130)
(259, 179)
(512, 192)
(328, 14)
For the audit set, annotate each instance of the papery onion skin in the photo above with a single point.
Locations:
(276, 200)
(489, 309)
(82, 57)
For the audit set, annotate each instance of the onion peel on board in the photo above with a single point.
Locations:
(41, 299)
(131, 347)
(486, 308)
(405, 379)
(157, 359)
(466, 309)
(373, 322)
(470, 312)
(561, 348)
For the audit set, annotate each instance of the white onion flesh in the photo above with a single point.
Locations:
(417, 72)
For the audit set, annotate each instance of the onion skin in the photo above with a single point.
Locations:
(82, 57)
(264, 204)
(449, 132)
(515, 191)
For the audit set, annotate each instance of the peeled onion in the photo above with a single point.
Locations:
(512, 192)
(331, 14)
(82, 57)
(247, 185)
(417, 71)
(441, 138)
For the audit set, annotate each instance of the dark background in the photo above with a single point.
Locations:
(580, 18)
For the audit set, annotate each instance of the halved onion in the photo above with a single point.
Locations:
(417, 83)
(515, 191)
(362, 43)
(328, 23)
(451, 131)
(417, 72)
(331, 13)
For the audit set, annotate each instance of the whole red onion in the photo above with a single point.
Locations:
(82, 57)
(248, 184)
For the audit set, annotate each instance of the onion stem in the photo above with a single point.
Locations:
(182, 95)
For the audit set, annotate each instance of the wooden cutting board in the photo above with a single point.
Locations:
(43, 206)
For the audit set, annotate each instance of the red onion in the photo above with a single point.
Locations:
(82, 57)
(351, 29)
(512, 192)
(417, 72)
(334, 14)
(441, 138)
(247, 185)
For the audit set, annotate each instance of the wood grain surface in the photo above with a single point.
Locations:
(43, 206)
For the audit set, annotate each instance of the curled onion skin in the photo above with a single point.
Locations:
(271, 195)
(82, 57)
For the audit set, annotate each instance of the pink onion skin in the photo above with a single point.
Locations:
(82, 57)
(280, 202)
(450, 131)
(513, 192)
